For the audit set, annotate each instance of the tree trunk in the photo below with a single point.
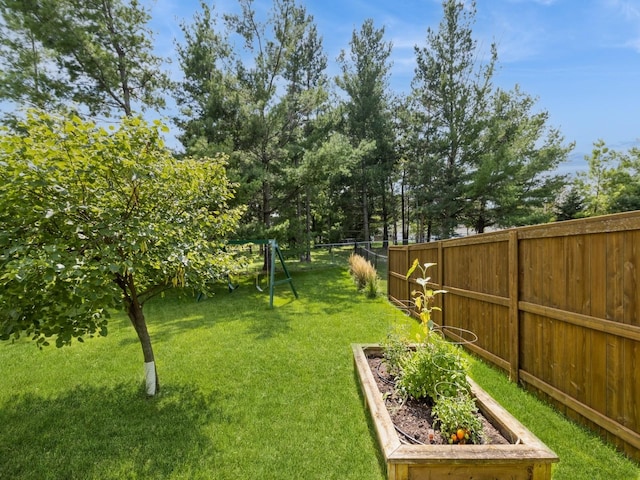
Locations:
(307, 238)
(480, 222)
(404, 214)
(134, 310)
(266, 213)
(365, 215)
(385, 219)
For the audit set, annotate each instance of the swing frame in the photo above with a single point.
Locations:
(274, 250)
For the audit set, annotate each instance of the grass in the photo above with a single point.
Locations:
(583, 456)
(246, 392)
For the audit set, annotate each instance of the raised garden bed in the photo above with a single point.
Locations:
(524, 457)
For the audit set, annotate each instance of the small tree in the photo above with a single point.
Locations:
(612, 182)
(95, 220)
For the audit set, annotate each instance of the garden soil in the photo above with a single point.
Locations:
(413, 418)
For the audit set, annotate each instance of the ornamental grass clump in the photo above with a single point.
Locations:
(434, 370)
(364, 275)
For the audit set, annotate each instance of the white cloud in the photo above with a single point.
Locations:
(630, 9)
(627, 19)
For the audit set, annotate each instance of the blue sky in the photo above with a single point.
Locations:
(580, 58)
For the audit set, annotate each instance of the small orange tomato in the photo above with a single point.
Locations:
(460, 434)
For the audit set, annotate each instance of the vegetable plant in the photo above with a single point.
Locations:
(433, 369)
(425, 297)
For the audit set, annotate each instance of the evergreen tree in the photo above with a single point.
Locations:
(510, 180)
(94, 53)
(452, 90)
(365, 79)
(570, 204)
(256, 95)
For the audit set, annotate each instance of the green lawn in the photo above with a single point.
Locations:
(246, 393)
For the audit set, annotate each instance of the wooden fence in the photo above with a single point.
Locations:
(557, 306)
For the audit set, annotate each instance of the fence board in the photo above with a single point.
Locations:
(554, 305)
(631, 290)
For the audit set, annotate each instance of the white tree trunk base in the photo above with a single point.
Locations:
(150, 377)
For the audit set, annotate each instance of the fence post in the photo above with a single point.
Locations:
(514, 320)
(443, 315)
(407, 264)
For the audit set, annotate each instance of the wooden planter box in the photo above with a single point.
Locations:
(525, 458)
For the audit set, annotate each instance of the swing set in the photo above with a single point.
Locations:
(274, 250)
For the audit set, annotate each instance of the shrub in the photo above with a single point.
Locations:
(371, 288)
(364, 274)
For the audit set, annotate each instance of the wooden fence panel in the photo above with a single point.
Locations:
(557, 306)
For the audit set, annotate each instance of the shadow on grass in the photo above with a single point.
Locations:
(326, 291)
(112, 432)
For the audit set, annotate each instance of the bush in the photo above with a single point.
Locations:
(364, 275)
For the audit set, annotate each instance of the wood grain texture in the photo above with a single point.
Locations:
(558, 302)
(525, 458)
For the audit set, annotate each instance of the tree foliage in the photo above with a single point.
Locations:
(483, 156)
(95, 53)
(209, 104)
(612, 182)
(96, 220)
(452, 89)
(365, 80)
(511, 179)
(256, 95)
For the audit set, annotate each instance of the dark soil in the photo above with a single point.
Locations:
(413, 418)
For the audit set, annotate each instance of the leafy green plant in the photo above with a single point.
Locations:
(396, 350)
(458, 419)
(96, 220)
(433, 370)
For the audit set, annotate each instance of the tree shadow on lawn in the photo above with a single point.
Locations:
(115, 432)
(325, 292)
(329, 290)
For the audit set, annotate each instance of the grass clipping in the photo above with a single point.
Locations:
(364, 275)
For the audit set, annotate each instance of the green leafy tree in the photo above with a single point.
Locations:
(453, 90)
(324, 171)
(612, 182)
(28, 75)
(365, 79)
(256, 86)
(602, 179)
(510, 179)
(96, 220)
(416, 170)
(628, 197)
(96, 53)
